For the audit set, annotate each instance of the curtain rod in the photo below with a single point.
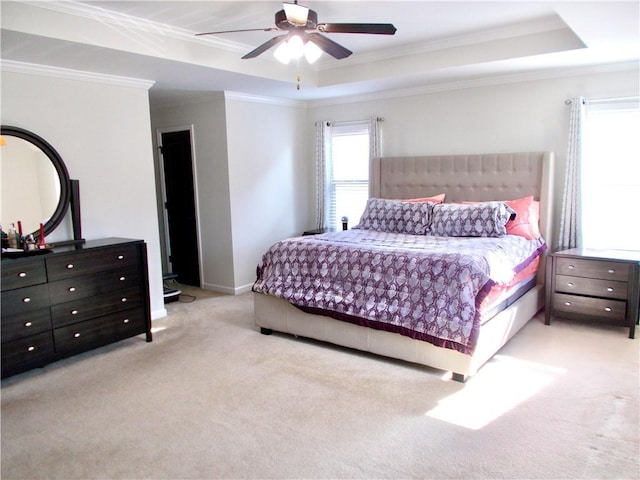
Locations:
(606, 100)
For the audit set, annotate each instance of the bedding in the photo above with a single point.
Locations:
(425, 287)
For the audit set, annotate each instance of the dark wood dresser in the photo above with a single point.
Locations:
(72, 299)
(594, 284)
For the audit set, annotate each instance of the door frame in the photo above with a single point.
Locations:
(163, 192)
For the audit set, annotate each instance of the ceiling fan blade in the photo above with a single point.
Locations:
(329, 46)
(372, 28)
(267, 29)
(265, 46)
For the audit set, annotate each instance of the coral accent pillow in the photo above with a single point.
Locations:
(435, 199)
(527, 218)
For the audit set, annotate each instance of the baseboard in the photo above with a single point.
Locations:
(227, 290)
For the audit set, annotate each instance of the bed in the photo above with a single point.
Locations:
(482, 179)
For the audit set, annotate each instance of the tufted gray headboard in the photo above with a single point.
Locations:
(481, 177)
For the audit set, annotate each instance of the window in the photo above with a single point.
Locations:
(611, 176)
(347, 172)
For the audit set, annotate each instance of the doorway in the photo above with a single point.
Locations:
(181, 231)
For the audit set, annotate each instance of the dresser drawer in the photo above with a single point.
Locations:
(16, 302)
(86, 308)
(591, 287)
(23, 325)
(23, 274)
(26, 353)
(67, 266)
(602, 269)
(85, 286)
(93, 333)
(599, 307)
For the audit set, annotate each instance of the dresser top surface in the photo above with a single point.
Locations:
(88, 245)
(601, 254)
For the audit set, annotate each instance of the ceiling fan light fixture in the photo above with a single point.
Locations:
(297, 15)
(296, 46)
(283, 53)
(312, 52)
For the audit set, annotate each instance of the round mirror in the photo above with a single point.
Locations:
(34, 180)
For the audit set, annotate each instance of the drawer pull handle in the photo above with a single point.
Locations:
(126, 320)
(568, 304)
(123, 278)
(611, 270)
(72, 289)
(28, 324)
(120, 257)
(607, 309)
(76, 335)
(70, 266)
(30, 348)
(124, 299)
(22, 274)
(609, 289)
(570, 284)
(74, 312)
(26, 299)
(571, 267)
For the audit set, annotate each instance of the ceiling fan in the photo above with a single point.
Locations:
(304, 34)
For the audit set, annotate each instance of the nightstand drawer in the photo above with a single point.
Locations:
(602, 269)
(591, 287)
(600, 307)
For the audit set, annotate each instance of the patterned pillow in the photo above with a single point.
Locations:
(487, 219)
(396, 216)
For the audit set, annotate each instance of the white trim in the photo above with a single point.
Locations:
(111, 17)
(500, 33)
(69, 74)
(227, 290)
(268, 100)
(487, 81)
(194, 169)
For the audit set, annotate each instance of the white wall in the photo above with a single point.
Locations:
(514, 117)
(102, 132)
(252, 177)
(269, 170)
(207, 117)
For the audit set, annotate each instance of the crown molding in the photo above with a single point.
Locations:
(268, 100)
(69, 74)
(198, 98)
(109, 17)
(487, 81)
(541, 25)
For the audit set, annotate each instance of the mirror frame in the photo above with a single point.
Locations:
(61, 169)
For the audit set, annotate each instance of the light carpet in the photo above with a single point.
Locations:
(211, 397)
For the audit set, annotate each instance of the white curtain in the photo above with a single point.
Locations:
(323, 146)
(570, 234)
(324, 188)
(374, 138)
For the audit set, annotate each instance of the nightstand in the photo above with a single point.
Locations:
(593, 284)
(317, 231)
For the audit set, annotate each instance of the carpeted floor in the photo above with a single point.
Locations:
(212, 398)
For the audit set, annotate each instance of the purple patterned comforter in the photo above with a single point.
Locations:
(426, 287)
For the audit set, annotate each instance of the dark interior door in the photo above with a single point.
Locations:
(180, 206)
